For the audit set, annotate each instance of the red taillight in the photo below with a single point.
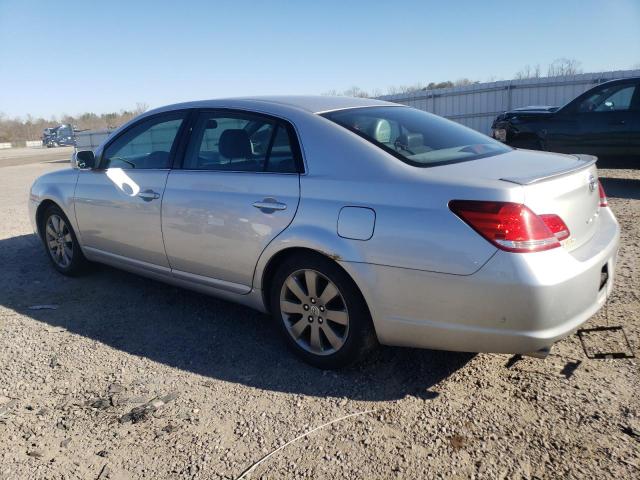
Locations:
(556, 225)
(603, 196)
(511, 226)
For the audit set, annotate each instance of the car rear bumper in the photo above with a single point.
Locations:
(515, 303)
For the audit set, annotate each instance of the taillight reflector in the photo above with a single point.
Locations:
(510, 226)
(603, 196)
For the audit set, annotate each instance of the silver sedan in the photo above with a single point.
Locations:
(351, 221)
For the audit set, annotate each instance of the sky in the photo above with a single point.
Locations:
(69, 57)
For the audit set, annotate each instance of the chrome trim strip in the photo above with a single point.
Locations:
(211, 282)
(95, 252)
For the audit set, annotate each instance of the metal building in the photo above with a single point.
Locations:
(477, 105)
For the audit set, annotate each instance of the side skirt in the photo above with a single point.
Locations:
(232, 292)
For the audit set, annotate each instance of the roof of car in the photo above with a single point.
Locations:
(320, 103)
(310, 103)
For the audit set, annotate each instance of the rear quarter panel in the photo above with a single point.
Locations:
(414, 227)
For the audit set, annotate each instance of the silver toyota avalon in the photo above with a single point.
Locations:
(351, 221)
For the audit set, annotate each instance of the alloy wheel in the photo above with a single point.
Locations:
(314, 312)
(59, 241)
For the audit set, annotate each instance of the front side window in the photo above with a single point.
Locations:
(147, 145)
(417, 137)
(239, 142)
(609, 99)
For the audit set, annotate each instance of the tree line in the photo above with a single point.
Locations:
(560, 67)
(18, 130)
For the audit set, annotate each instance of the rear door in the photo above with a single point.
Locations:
(238, 187)
(118, 204)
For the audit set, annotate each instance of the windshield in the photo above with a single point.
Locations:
(64, 131)
(416, 137)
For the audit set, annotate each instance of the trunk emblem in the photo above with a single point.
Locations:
(592, 183)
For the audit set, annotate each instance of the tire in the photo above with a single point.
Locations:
(60, 242)
(336, 329)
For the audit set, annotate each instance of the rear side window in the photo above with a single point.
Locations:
(238, 141)
(147, 145)
(416, 137)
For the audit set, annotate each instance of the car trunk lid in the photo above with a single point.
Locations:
(572, 194)
(564, 185)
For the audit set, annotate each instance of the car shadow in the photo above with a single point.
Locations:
(621, 187)
(200, 334)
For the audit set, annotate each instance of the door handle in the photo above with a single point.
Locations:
(149, 195)
(269, 205)
(617, 122)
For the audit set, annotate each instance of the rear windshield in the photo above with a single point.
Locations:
(416, 137)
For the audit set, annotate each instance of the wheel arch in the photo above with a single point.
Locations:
(271, 267)
(42, 208)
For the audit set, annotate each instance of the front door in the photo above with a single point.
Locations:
(238, 188)
(605, 119)
(118, 204)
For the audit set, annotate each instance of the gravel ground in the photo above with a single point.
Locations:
(122, 377)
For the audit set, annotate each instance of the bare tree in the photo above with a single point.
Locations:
(562, 67)
(355, 91)
(463, 82)
(141, 107)
(528, 72)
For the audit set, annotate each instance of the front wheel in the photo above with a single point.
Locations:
(320, 312)
(61, 243)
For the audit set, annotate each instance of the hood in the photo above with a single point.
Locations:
(536, 108)
(527, 112)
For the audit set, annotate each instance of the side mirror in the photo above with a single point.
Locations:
(85, 160)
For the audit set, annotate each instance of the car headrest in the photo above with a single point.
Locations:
(411, 140)
(380, 131)
(235, 143)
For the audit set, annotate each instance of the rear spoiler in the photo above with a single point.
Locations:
(583, 162)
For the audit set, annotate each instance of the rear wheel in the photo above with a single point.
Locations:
(320, 312)
(61, 243)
